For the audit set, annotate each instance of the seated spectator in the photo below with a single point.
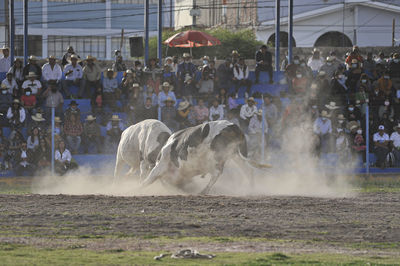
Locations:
(353, 113)
(17, 71)
(32, 83)
(256, 134)
(51, 71)
(200, 112)
(384, 84)
(58, 132)
(395, 140)
(24, 161)
(148, 111)
(10, 83)
(97, 102)
(169, 75)
(381, 145)
(342, 146)
(152, 75)
(300, 83)
(386, 108)
(114, 130)
(168, 114)
(28, 101)
(5, 102)
(39, 122)
(16, 114)
(216, 111)
(241, 77)
(235, 57)
(232, 117)
(376, 99)
(315, 61)
(329, 67)
(165, 94)
(364, 81)
(232, 104)
(72, 110)
(73, 130)
(224, 75)
(33, 139)
(15, 140)
(91, 77)
(119, 65)
(111, 91)
(91, 135)
(359, 145)
(42, 155)
(370, 66)
(63, 159)
(222, 97)
(323, 129)
(170, 62)
(182, 116)
(188, 89)
(247, 111)
(53, 98)
(73, 75)
(206, 83)
(32, 66)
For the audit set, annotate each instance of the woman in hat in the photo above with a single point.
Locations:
(17, 71)
(16, 114)
(63, 159)
(165, 93)
(183, 115)
(38, 121)
(168, 114)
(153, 74)
(10, 83)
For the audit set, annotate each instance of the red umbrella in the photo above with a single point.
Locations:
(192, 38)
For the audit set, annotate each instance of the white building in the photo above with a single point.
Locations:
(335, 22)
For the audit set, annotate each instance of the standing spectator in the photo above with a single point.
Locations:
(315, 61)
(33, 139)
(153, 74)
(67, 55)
(200, 112)
(91, 77)
(5, 61)
(369, 66)
(73, 130)
(206, 84)
(241, 77)
(165, 94)
(111, 92)
(185, 68)
(114, 130)
(359, 145)
(394, 71)
(119, 65)
(381, 143)
(51, 71)
(271, 111)
(168, 114)
(255, 133)
(33, 66)
(148, 111)
(127, 82)
(11, 84)
(329, 67)
(300, 83)
(355, 54)
(216, 111)
(353, 76)
(17, 71)
(33, 83)
(72, 110)
(323, 129)
(73, 75)
(91, 135)
(235, 57)
(342, 146)
(225, 74)
(97, 102)
(63, 159)
(247, 111)
(188, 89)
(24, 161)
(264, 63)
(16, 114)
(138, 71)
(395, 139)
(291, 69)
(5, 102)
(168, 75)
(53, 99)
(385, 84)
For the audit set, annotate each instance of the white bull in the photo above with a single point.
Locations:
(139, 147)
(199, 150)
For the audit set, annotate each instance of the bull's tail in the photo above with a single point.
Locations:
(253, 163)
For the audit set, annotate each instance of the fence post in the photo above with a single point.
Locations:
(262, 133)
(52, 139)
(367, 138)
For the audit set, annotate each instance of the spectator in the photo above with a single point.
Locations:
(119, 65)
(5, 61)
(33, 66)
(216, 111)
(271, 111)
(256, 134)
(395, 140)
(165, 94)
(300, 83)
(329, 67)
(114, 130)
(39, 122)
(385, 85)
(53, 99)
(16, 114)
(33, 139)
(364, 81)
(169, 75)
(189, 89)
(72, 110)
(206, 84)
(153, 74)
(148, 111)
(5, 102)
(355, 54)
(51, 71)
(234, 57)
(134, 104)
(263, 63)
(97, 102)
(182, 117)
(342, 146)
(323, 129)
(225, 74)
(394, 71)
(333, 110)
(17, 71)
(381, 144)
(353, 75)
(63, 159)
(247, 111)
(291, 69)
(369, 66)
(201, 112)
(91, 135)
(91, 77)
(127, 82)
(376, 98)
(32, 83)
(359, 145)
(386, 108)
(111, 92)
(24, 161)
(241, 77)
(222, 97)
(170, 62)
(68, 54)
(73, 75)
(168, 114)
(315, 61)
(28, 101)
(339, 88)
(232, 104)
(231, 117)
(73, 130)
(42, 155)
(185, 68)
(139, 76)
(10, 83)
(15, 140)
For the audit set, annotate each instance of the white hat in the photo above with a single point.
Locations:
(331, 106)
(183, 105)
(90, 118)
(31, 75)
(381, 127)
(73, 56)
(38, 117)
(324, 113)
(115, 118)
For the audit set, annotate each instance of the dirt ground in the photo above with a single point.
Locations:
(218, 223)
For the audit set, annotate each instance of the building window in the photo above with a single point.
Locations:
(83, 45)
(116, 43)
(34, 45)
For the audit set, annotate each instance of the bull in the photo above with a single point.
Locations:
(139, 147)
(199, 150)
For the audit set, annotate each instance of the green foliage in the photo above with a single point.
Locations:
(244, 41)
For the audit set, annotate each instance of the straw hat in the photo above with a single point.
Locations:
(251, 99)
(115, 118)
(235, 52)
(57, 119)
(16, 101)
(89, 57)
(31, 75)
(73, 56)
(341, 117)
(353, 125)
(260, 112)
(38, 117)
(90, 118)
(110, 70)
(324, 113)
(51, 57)
(183, 105)
(186, 55)
(32, 57)
(168, 58)
(206, 57)
(5, 48)
(169, 99)
(166, 84)
(331, 106)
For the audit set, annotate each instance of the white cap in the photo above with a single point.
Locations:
(381, 127)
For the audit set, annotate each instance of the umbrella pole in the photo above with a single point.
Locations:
(166, 52)
(190, 51)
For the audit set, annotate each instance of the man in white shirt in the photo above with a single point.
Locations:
(255, 133)
(10, 83)
(5, 62)
(323, 128)
(32, 83)
(51, 71)
(241, 77)
(246, 113)
(381, 143)
(395, 139)
(73, 75)
(216, 111)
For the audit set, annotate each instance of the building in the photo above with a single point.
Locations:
(91, 27)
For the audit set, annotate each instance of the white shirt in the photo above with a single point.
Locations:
(395, 137)
(34, 85)
(10, 85)
(49, 73)
(381, 139)
(240, 75)
(76, 74)
(315, 64)
(247, 112)
(32, 143)
(5, 64)
(255, 126)
(21, 114)
(322, 127)
(216, 111)
(65, 156)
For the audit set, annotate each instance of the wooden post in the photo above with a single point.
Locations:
(393, 30)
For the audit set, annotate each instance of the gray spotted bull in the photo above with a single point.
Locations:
(199, 150)
(139, 147)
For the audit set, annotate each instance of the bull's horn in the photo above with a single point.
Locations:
(253, 163)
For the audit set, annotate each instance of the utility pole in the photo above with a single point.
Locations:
(25, 32)
(146, 31)
(238, 14)
(194, 17)
(170, 14)
(160, 15)
(290, 30)
(277, 30)
(393, 33)
(12, 30)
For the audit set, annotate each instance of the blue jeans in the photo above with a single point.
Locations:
(74, 142)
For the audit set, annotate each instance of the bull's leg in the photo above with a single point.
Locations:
(158, 171)
(213, 180)
(144, 169)
(119, 164)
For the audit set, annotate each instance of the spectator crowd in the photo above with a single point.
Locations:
(331, 91)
